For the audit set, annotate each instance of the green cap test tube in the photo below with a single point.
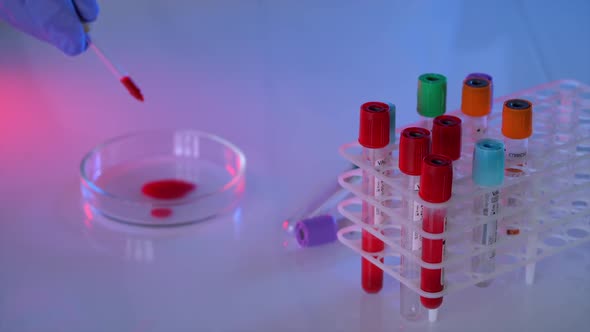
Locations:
(432, 95)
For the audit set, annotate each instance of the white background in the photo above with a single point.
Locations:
(283, 80)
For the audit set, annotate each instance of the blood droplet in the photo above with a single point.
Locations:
(132, 88)
(513, 231)
(161, 212)
(167, 189)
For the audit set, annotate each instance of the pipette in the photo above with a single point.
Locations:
(119, 74)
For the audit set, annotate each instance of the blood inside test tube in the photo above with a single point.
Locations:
(435, 187)
(167, 189)
(413, 147)
(374, 137)
(432, 252)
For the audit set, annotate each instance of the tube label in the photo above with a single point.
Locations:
(417, 215)
(442, 271)
(491, 207)
(491, 204)
(379, 216)
(475, 127)
(516, 158)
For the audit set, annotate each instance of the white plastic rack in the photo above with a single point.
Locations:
(550, 201)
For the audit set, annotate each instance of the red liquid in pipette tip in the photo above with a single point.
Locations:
(168, 189)
(132, 88)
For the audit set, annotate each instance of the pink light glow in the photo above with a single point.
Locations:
(89, 215)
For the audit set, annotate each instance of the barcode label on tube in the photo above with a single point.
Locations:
(417, 215)
(491, 203)
(442, 271)
(491, 208)
(379, 193)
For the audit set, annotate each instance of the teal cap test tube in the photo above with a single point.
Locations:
(391, 122)
(488, 163)
(487, 172)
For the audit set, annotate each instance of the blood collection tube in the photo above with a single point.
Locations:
(446, 138)
(414, 145)
(324, 204)
(374, 137)
(432, 98)
(476, 105)
(488, 174)
(436, 182)
(317, 223)
(487, 77)
(517, 127)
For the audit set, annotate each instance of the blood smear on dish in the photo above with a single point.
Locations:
(168, 189)
(161, 212)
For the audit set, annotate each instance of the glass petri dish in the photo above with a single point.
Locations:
(163, 178)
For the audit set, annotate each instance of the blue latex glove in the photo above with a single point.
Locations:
(58, 22)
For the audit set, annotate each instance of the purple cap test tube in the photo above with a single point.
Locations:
(316, 231)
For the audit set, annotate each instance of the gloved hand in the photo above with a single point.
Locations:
(58, 22)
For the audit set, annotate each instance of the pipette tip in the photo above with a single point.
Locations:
(132, 88)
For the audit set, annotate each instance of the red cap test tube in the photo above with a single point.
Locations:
(446, 136)
(446, 139)
(414, 145)
(436, 183)
(374, 137)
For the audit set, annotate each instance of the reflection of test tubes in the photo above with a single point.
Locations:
(446, 138)
(476, 105)
(436, 181)
(374, 138)
(414, 145)
(488, 173)
(432, 98)
(517, 127)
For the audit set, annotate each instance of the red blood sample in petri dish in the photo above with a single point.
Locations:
(167, 189)
(161, 212)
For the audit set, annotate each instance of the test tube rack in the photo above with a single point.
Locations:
(554, 208)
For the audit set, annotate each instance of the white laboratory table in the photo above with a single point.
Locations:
(283, 80)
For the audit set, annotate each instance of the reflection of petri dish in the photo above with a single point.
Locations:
(190, 176)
